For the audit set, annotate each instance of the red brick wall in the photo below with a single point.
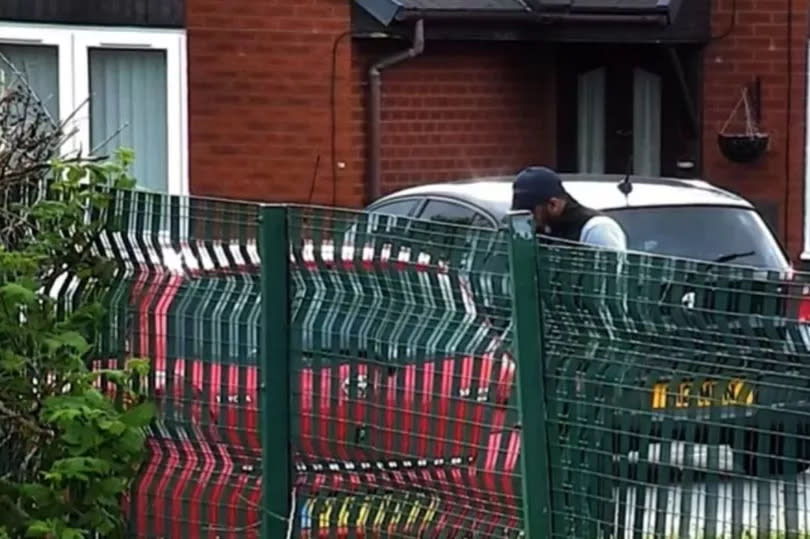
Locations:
(259, 97)
(459, 110)
(757, 46)
(259, 104)
(260, 74)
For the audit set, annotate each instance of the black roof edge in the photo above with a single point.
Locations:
(529, 17)
(659, 8)
(387, 11)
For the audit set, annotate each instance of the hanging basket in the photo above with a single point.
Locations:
(743, 147)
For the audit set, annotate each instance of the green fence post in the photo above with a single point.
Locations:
(275, 371)
(531, 389)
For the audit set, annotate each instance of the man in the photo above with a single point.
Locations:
(556, 213)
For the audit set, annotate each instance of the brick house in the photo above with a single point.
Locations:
(274, 100)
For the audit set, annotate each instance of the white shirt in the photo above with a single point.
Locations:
(602, 231)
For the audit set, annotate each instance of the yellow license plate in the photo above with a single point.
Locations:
(711, 393)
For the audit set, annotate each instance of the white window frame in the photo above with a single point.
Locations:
(173, 44)
(18, 34)
(74, 44)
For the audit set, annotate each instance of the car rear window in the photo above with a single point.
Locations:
(708, 233)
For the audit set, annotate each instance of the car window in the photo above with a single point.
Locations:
(481, 221)
(398, 207)
(707, 233)
(449, 212)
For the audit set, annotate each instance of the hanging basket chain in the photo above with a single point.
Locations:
(751, 129)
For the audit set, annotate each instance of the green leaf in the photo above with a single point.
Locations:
(51, 344)
(53, 477)
(16, 294)
(75, 174)
(111, 486)
(139, 416)
(39, 528)
(74, 434)
(116, 428)
(125, 156)
(71, 533)
(9, 361)
(115, 376)
(37, 492)
(74, 340)
(49, 209)
(138, 366)
(97, 399)
(78, 469)
(29, 282)
(63, 415)
(132, 442)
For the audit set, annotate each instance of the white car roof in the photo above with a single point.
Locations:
(599, 192)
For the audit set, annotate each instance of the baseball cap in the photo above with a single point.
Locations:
(534, 186)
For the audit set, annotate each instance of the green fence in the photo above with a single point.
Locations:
(379, 376)
(404, 417)
(677, 397)
(186, 295)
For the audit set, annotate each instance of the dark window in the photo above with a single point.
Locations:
(706, 233)
(620, 108)
(452, 213)
(399, 208)
(481, 221)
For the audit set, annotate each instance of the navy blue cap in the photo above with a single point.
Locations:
(534, 186)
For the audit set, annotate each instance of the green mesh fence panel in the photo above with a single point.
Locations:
(186, 296)
(676, 392)
(404, 401)
(678, 397)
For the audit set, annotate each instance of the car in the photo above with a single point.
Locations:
(677, 218)
(663, 216)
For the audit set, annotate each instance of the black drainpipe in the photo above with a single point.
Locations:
(373, 183)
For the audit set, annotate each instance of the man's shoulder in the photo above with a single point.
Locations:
(600, 220)
(603, 230)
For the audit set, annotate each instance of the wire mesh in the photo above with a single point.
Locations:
(678, 396)
(185, 294)
(676, 391)
(405, 416)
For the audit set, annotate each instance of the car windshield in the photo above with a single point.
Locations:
(708, 233)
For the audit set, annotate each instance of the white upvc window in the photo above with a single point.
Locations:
(129, 87)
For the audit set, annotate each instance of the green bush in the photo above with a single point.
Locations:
(68, 451)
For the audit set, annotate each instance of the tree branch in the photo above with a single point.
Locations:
(11, 415)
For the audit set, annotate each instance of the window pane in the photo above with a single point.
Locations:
(591, 121)
(400, 207)
(128, 108)
(686, 232)
(447, 212)
(481, 221)
(40, 67)
(646, 123)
